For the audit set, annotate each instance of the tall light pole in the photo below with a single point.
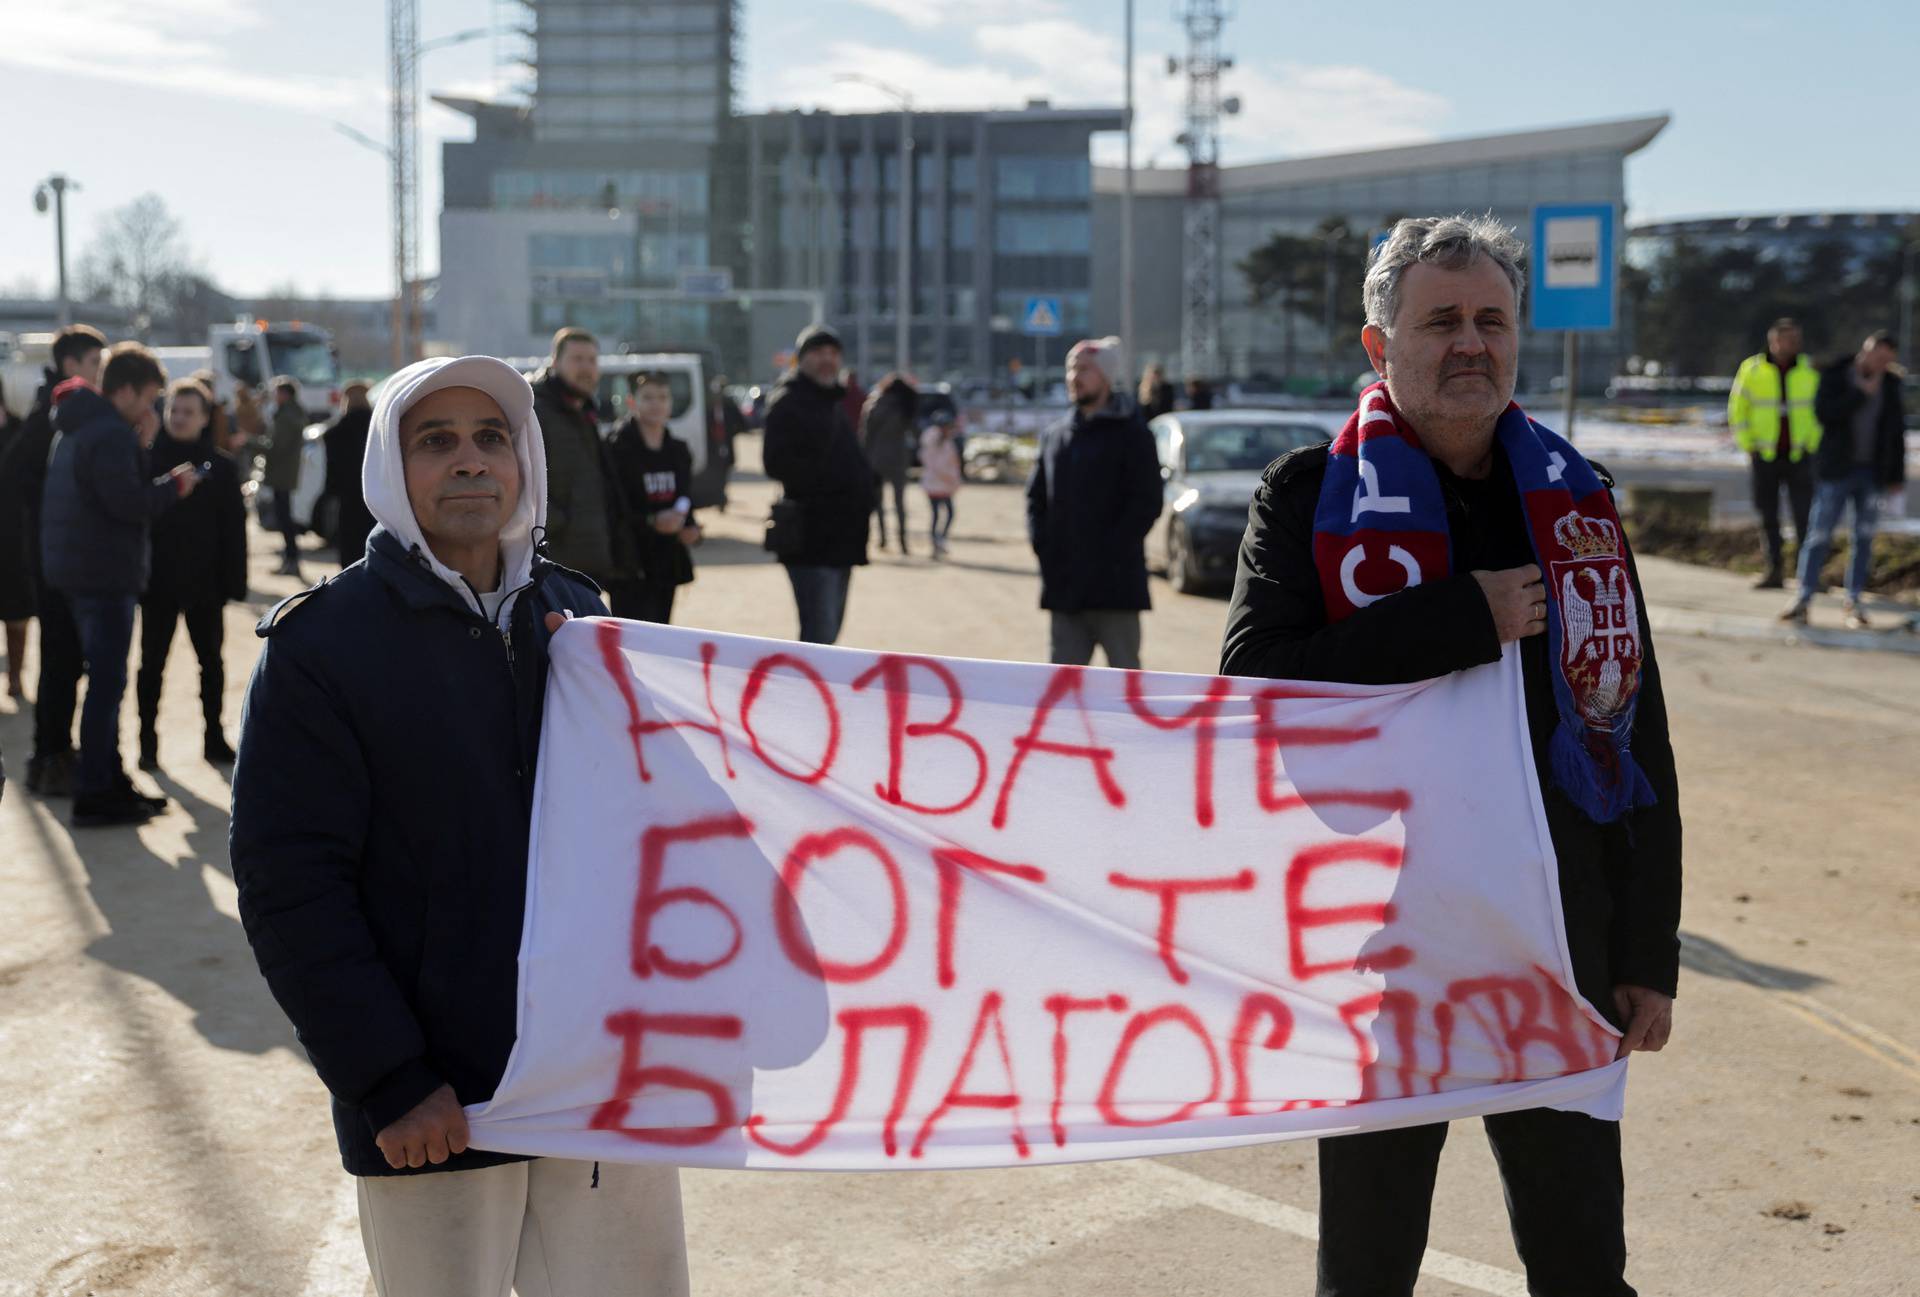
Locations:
(903, 289)
(58, 185)
(1126, 220)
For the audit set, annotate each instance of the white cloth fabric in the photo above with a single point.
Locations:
(823, 908)
(539, 1229)
(383, 476)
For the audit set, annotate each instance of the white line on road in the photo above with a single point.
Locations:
(1200, 1191)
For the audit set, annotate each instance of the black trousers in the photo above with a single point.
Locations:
(898, 481)
(57, 694)
(206, 630)
(1768, 477)
(1565, 1200)
(641, 601)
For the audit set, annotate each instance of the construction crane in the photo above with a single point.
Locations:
(403, 45)
(1200, 277)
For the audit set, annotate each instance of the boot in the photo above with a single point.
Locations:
(1773, 580)
(216, 750)
(149, 745)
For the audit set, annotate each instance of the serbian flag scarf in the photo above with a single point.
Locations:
(1381, 526)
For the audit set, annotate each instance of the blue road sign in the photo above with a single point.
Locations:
(1041, 319)
(1576, 266)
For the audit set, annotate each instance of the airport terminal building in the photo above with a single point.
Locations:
(1502, 174)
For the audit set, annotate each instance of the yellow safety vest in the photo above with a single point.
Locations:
(1753, 408)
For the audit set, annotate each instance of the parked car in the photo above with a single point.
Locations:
(1211, 461)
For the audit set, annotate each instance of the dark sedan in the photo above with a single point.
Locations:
(1212, 461)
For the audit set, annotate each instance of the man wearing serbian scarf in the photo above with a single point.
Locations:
(1441, 525)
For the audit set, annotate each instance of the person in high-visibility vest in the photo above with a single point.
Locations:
(1771, 413)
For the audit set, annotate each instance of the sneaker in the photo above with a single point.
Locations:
(216, 749)
(124, 787)
(51, 775)
(1795, 613)
(121, 806)
(1857, 616)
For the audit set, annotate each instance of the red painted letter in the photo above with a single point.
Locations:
(1203, 716)
(1252, 1009)
(956, 1097)
(951, 860)
(756, 681)
(632, 1028)
(1065, 681)
(891, 670)
(1171, 890)
(1301, 916)
(607, 635)
(791, 927)
(1060, 1006)
(1138, 1027)
(855, 1022)
(648, 957)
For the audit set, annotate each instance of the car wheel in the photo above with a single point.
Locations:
(1180, 571)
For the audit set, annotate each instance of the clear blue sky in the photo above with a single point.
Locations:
(226, 107)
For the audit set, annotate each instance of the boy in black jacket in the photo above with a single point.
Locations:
(651, 473)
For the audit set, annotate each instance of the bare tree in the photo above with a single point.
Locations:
(138, 260)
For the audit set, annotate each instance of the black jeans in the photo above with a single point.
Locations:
(1769, 475)
(898, 481)
(283, 522)
(942, 522)
(641, 601)
(1565, 1201)
(206, 630)
(57, 692)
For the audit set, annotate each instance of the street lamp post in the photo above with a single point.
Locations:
(58, 185)
(903, 289)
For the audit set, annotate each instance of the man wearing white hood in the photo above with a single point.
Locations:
(381, 806)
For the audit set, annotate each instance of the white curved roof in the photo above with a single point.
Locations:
(1625, 135)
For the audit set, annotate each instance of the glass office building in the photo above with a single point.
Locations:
(1502, 174)
(1000, 211)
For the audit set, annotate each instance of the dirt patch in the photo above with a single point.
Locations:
(1896, 559)
(1790, 1211)
(110, 1267)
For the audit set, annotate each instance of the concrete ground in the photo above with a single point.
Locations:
(162, 1133)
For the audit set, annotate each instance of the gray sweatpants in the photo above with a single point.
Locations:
(536, 1228)
(1073, 636)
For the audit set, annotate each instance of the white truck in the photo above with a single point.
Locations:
(256, 352)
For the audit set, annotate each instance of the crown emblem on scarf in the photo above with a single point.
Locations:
(1585, 537)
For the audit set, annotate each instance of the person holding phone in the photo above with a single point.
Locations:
(199, 563)
(651, 476)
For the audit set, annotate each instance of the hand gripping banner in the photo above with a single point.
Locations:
(793, 906)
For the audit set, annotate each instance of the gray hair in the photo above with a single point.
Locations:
(1450, 242)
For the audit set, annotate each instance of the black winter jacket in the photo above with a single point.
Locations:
(579, 526)
(346, 443)
(811, 450)
(1094, 495)
(23, 476)
(379, 837)
(1835, 403)
(1619, 883)
(643, 483)
(199, 545)
(99, 500)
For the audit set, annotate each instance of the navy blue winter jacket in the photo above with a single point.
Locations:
(1094, 495)
(380, 823)
(98, 500)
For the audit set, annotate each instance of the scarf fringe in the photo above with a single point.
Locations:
(1575, 774)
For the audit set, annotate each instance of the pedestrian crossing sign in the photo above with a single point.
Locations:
(1041, 319)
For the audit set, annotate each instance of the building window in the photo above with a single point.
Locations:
(1042, 179)
(681, 193)
(1028, 232)
(961, 172)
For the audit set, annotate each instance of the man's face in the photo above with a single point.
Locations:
(1783, 342)
(578, 365)
(134, 404)
(653, 404)
(87, 365)
(187, 416)
(463, 478)
(1086, 382)
(822, 364)
(1875, 357)
(1452, 355)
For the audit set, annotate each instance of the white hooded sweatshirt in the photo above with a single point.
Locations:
(383, 476)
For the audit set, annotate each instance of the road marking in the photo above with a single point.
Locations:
(1871, 1041)
(1200, 1191)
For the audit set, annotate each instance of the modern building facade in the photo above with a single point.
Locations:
(622, 71)
(1000, 212)
(1506, 175)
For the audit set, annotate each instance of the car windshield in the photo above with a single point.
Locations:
(1245, 447)
(303, 357)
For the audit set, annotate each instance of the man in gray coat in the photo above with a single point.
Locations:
(280, 466)
(579, 531)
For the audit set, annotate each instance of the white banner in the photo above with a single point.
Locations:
(807, 907)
